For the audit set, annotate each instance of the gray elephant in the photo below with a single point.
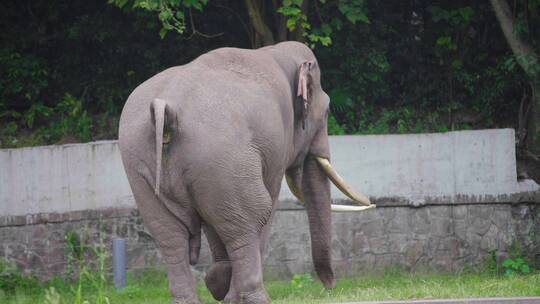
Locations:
(208, 143)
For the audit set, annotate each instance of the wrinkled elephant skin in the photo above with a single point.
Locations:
(207, 145)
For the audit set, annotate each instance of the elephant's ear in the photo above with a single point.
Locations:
(304, 88)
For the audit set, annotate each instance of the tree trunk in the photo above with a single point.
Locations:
(527, 58)
(263, 34)
(533, 123)
(280, 22)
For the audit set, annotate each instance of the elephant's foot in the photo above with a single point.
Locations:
(218, 279)
(184, 301)
(181, 281)
(258, 296)
(247, 280)
(255, 297)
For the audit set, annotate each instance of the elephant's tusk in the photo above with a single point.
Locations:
(340, 183)
(294, 189)
(346, 208)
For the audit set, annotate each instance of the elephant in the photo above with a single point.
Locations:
(206, 145)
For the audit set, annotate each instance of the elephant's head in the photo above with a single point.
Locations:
(309, 174)
(311, 107)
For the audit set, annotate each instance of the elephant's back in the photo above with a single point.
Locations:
(226, 101)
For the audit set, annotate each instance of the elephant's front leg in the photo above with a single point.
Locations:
(172, 238)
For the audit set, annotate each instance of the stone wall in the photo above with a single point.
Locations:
(444, 201)
(443, 237)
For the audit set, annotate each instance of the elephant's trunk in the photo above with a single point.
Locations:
(316, 191)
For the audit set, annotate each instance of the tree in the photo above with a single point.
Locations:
(270, 21)
(413, 66)
(515, 29)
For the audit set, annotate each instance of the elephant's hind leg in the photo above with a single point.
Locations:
(247, 281)
(172, 238)
(218, 276)
(237, 207)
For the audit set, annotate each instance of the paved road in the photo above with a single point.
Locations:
(520, 300)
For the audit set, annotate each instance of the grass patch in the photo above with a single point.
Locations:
(151, 288)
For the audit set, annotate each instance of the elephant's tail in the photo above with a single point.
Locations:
(157, 110)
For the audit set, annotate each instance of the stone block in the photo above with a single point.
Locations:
(373, 228)
(480, 211)
(360, 243)
(397, 243)
(501, 218)
(443, 262)
(460, 229)
(459, 212)
(378, 245)
(398, 224)
(414, 250)
(440, 212)
(441, 226)
(362, 263)
(421, 221)
(479, 225)
(387, 260)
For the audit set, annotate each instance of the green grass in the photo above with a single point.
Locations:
(151, 288)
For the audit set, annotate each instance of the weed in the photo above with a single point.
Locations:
(74, 250)
(490, 263)
(299, 281)
(89, 279)
(12, 280)
(515, 266)
(52, 296)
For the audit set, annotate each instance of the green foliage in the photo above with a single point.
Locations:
(491, 265)
(368, 120)
(300, 281)
(74, 250)
(23, 78)
(389, 66)
(91, 279)
(72, 66)
(334, 128)
(295, 18)
(11, 280)
(66, 120)
(73, 119)
(352, 11)
(515, 266)
(52, 296)
(514, 263)
(461, 16)
(86, 262)
(150, 287)
(171, 13)
(402, 120)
